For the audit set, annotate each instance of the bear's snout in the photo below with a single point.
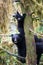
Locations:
(15, 38)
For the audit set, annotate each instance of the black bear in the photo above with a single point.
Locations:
(19, 39)
(39, 48)
(39, 43)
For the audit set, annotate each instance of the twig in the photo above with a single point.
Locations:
(11, 53)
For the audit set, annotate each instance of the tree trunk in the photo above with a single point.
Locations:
(34, 6)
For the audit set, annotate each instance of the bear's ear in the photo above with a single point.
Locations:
(14, 15)
(18, 14)
(24, 15)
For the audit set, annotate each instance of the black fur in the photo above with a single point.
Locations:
(39, 48)
(19, 39)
